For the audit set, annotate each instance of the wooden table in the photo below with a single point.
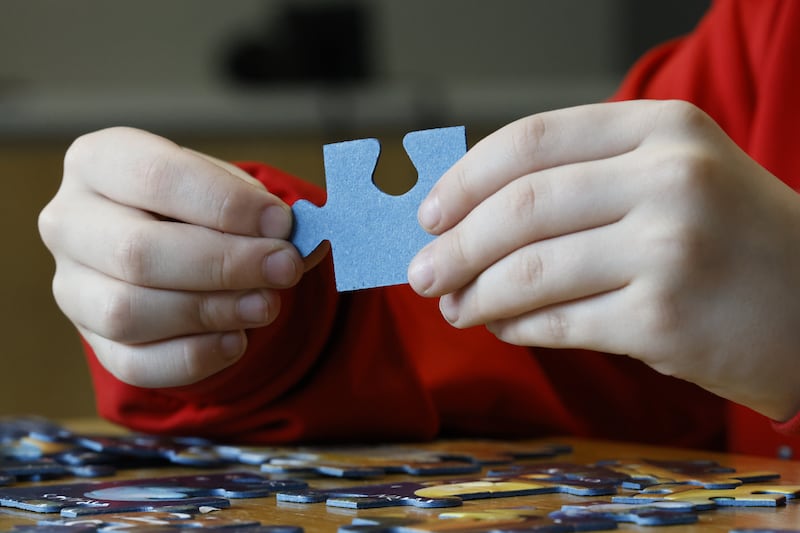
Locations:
(319, 517)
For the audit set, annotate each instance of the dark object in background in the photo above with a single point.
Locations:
(322, 44)
(648, 24)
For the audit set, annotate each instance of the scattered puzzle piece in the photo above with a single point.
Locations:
(369, 461)
(459, 457)
(183, 451)
(653, 514)
(373, 235)
(489, 521)
(163, 521)
(707, 474)
(748, 495)
(174, 494)
(442, 493)
(600, 479)
(487, 452)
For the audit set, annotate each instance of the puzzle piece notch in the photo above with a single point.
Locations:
(373, 235)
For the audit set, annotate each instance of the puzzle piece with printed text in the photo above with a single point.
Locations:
(373, 235)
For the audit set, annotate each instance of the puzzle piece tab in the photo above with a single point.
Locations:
(373, 235)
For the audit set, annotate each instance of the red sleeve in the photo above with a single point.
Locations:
(265, 396)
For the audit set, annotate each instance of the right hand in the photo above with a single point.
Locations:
(164, 256)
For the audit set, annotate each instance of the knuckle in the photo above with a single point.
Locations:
(79, 152)
(228, 209)
(49, 225)
(558, 326)
(529, 270)
(157, 174)
(678, 247)
(527, 136)
(122, 361)
(62, 292)
(117, 315)
(685, 113)
(659, 315)
(222, 270)
(457, 249)
(504, 330)
(132, 257)
(209, 314)
(523, 198)
(690, 172)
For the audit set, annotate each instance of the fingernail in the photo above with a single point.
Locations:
(280, 269)
(420, 273)
(253, 308)
(276, 222)
(448, 308)
(232, 344)
(430, 213)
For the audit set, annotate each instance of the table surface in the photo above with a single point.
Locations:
(319, 517)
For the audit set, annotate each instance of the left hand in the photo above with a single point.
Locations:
(633, 228)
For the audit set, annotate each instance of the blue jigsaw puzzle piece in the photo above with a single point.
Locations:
(373, 235)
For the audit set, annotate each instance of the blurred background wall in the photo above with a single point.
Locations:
(269, 80)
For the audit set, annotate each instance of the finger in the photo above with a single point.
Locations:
(156, 175)
(594, 323)
(170, 363)
(134, 247)
(537, 206)
(552, 271)
(131, 314)
(534, 143)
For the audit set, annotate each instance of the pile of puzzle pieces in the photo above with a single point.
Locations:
(640, 491)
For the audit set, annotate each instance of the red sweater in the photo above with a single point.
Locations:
(382, 364)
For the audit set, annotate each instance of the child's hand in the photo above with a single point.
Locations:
(164, 256)
(634, 228)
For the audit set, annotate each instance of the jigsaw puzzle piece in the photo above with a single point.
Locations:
(597, 480)
(183, 451)
(442, 493)
(17, 427)
(369, 461)
(762, 530)
(653, 514)
(174, 494)
(748, 495)
(489, 521)
(373, 235)
(707, 474)
(487, 453)
(31, 470)
(166, 521)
